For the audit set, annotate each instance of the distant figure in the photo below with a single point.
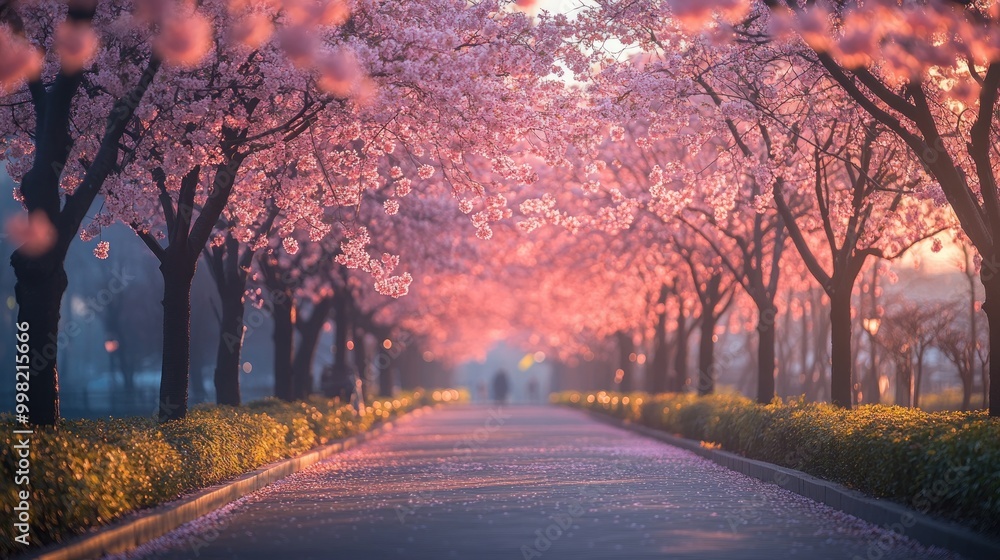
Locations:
(501, 385)
(533, 395)
(481, 394)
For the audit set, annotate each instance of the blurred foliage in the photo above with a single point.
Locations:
(85, 473)
(945, 464)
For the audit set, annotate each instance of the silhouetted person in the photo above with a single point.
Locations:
(533, 389)
(501, 386)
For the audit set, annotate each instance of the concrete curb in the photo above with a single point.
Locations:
(153, 523)
(890, 515)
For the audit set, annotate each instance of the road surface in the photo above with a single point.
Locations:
(524, 482)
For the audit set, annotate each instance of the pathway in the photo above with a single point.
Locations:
(524, 482)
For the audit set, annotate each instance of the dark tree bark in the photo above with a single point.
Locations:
(281, 292)
(341, 382)
(386, 378)
(715, 298)
(178, 275)
(283, 314)
(766, 353)
(991, 282)
(227, 357)
(706, 354)
(658, 371)
(626, 355)
(840, 356)
(678, 381)
(39, 290)
(310, 330)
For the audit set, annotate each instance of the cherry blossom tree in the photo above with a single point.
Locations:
(67, 112)
(928, 72)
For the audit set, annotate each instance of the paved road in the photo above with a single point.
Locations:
(524, 482)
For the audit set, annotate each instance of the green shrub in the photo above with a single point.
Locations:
(942, 463)
(87, 473)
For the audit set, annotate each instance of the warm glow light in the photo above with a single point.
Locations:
(526, 362)
(871, 325)
(428, 356)
(350, 345)
(640, 359)
(247, 367)
(387, 344)
(539, 356)
(619, 375)
(111, 345)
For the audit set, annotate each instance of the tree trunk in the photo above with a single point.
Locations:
(991, 282)
(658, 370)
(904, 380)
(386, 382)
(626, 351)
(227, 358)
(966, 392)
(176, 368)
(765, 353)
(678, 380)
(284, 333)
(918, 379)
(706, 355)
(39, 289)
(840, 344)
(341, 381)
(309, 332)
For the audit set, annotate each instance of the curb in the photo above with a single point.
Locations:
(889, 515)
(160, 520)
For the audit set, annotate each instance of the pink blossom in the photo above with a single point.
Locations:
(101, 251)
(391, 207)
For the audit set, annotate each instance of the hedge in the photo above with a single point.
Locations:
(942, 463)
(86, 473)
